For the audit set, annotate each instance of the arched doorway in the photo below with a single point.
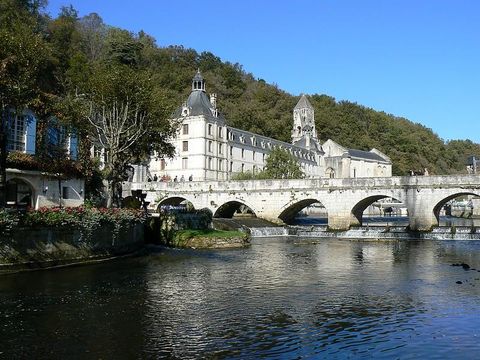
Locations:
(330, 173)
(19, 194)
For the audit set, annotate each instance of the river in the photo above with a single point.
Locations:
(280, 298)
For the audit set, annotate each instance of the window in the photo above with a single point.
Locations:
(209, 127)
(243, 153)
(162, 164)
(253, 156)
(231, 166)
(210, 146)
(231, 150)
(219, 132)
(220, 165)
(185, 146)
(17, 133)
(185, 129)
(220, 148)
(184, 163)
(65, 192)
(68, 193)
(210, 163)
(263, 157)
(243, 168)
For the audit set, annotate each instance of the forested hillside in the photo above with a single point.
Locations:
(73, 47)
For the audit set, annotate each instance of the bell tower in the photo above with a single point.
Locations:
(198, 83)
(303, 120)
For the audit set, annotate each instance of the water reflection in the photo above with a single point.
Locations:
(278, 298)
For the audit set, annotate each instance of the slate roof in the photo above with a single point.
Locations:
(268, 144)
(303, 103)
(198, 76)
(365, 155)
(198, 104)
(313, 144)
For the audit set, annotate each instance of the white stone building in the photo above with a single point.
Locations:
(30, 188)
(208, 149)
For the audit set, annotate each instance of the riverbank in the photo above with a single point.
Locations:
(29, 248)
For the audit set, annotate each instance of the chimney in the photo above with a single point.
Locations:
(213, 100)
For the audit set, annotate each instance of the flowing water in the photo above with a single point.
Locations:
(280, 298)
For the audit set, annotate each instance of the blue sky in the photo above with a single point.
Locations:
(413, 58)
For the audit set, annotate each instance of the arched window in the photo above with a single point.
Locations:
(330, 173)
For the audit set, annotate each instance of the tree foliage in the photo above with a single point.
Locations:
(280, 164)
(47, 64)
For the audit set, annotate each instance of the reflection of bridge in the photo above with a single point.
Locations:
(344, 199)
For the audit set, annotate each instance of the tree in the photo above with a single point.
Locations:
(24, 56)
(127, 117)
(280, 164)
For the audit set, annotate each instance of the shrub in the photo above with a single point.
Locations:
(8, 221)
(85, 219)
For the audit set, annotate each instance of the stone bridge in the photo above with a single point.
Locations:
(344, 199)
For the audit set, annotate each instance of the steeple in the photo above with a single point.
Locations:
(198, 83)
(303, 120)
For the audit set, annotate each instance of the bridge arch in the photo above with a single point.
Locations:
(362, 205)
(440, 204)
(288, 214)
(229, 208)
(174, 201)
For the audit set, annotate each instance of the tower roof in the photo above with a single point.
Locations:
(303, 103)
(198, 76)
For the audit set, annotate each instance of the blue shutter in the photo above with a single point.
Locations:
(73, 146)
(31, 134)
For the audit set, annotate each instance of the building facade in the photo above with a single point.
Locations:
(208, 149)
(31, 188)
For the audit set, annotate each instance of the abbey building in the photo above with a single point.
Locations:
(208, 149)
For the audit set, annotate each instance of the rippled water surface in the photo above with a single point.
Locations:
(279, 298)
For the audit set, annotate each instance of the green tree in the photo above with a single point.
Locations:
(280, 164)
(127, 117)
(24, 59)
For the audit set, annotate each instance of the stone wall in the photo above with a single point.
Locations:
(44, 247)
